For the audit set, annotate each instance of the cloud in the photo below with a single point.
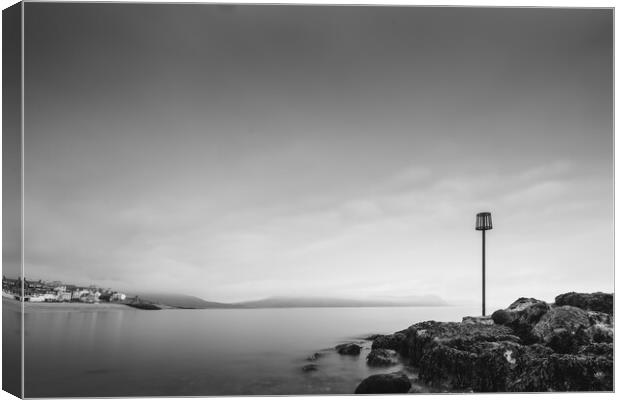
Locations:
(388, 241)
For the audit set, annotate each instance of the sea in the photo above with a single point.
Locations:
(103, 352)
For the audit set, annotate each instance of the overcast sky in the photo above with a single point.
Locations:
(242, 152)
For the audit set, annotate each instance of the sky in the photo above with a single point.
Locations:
(241, 152)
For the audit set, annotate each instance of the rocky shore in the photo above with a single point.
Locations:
(531, 346)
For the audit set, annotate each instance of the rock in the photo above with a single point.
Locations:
(417, 388)
(497, 367)
(596, 317)
(349, 349)
(314, 357)
(521, 316)
(565, 372)
(372, 337)
(597, 349)
(600, 333)
(309, 367)
(382, 357)
(481, 367)
(384, 383)
(144, 306)
(501, 317)
(531, 346)
(395, 341)
(602, 302)
(423, 336)
(485, 320)
(564, 329)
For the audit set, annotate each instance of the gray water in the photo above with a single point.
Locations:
(128, 352)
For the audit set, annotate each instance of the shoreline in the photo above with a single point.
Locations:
(78, 306)
(31, 307)
(530, 346)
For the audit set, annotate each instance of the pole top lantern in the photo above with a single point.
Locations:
(483, 221)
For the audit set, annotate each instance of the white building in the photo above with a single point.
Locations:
(64, 296)
(117, 296)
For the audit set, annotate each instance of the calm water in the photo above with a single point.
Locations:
(125, 352)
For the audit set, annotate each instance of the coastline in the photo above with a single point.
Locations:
(530, 346)
(51, 307)
(78, 306)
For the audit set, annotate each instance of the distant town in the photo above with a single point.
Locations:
(57, 292)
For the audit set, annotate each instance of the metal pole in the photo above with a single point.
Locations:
(483, 277)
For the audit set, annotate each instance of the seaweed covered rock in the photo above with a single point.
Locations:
(384, 383)
(481, 366)
(423, 336)
(597, 349)
(565, 328)
(485, 320)
(565, 372)
(530, 346)
(395, 341)
(509, 366)
(601, 328)
(503, 372)
(521, 316)
(596, 317)
(349, 349)
(382, 357)
(602, 302)
(600, 333)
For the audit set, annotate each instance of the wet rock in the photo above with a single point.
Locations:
(349, 349)
(492, 367)
(521, 316)
(485, 320)
(565, 372)
(314, 357)
(597, 349)
(596, 317)
(600, 333)
(372, 337)
(501, 317)
(395, 341)
(382, 357)
(309, 368)
(564, 329)
(602, 302)
(482, 366)
(531, 346)
(418, 388)
(423, 336)
(384, 383)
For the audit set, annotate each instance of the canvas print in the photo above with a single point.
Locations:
(233, 199)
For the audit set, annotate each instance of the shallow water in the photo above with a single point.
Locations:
(127, 352)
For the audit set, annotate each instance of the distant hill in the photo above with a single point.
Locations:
(180, 300)
(185, 301)
(298, 302)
